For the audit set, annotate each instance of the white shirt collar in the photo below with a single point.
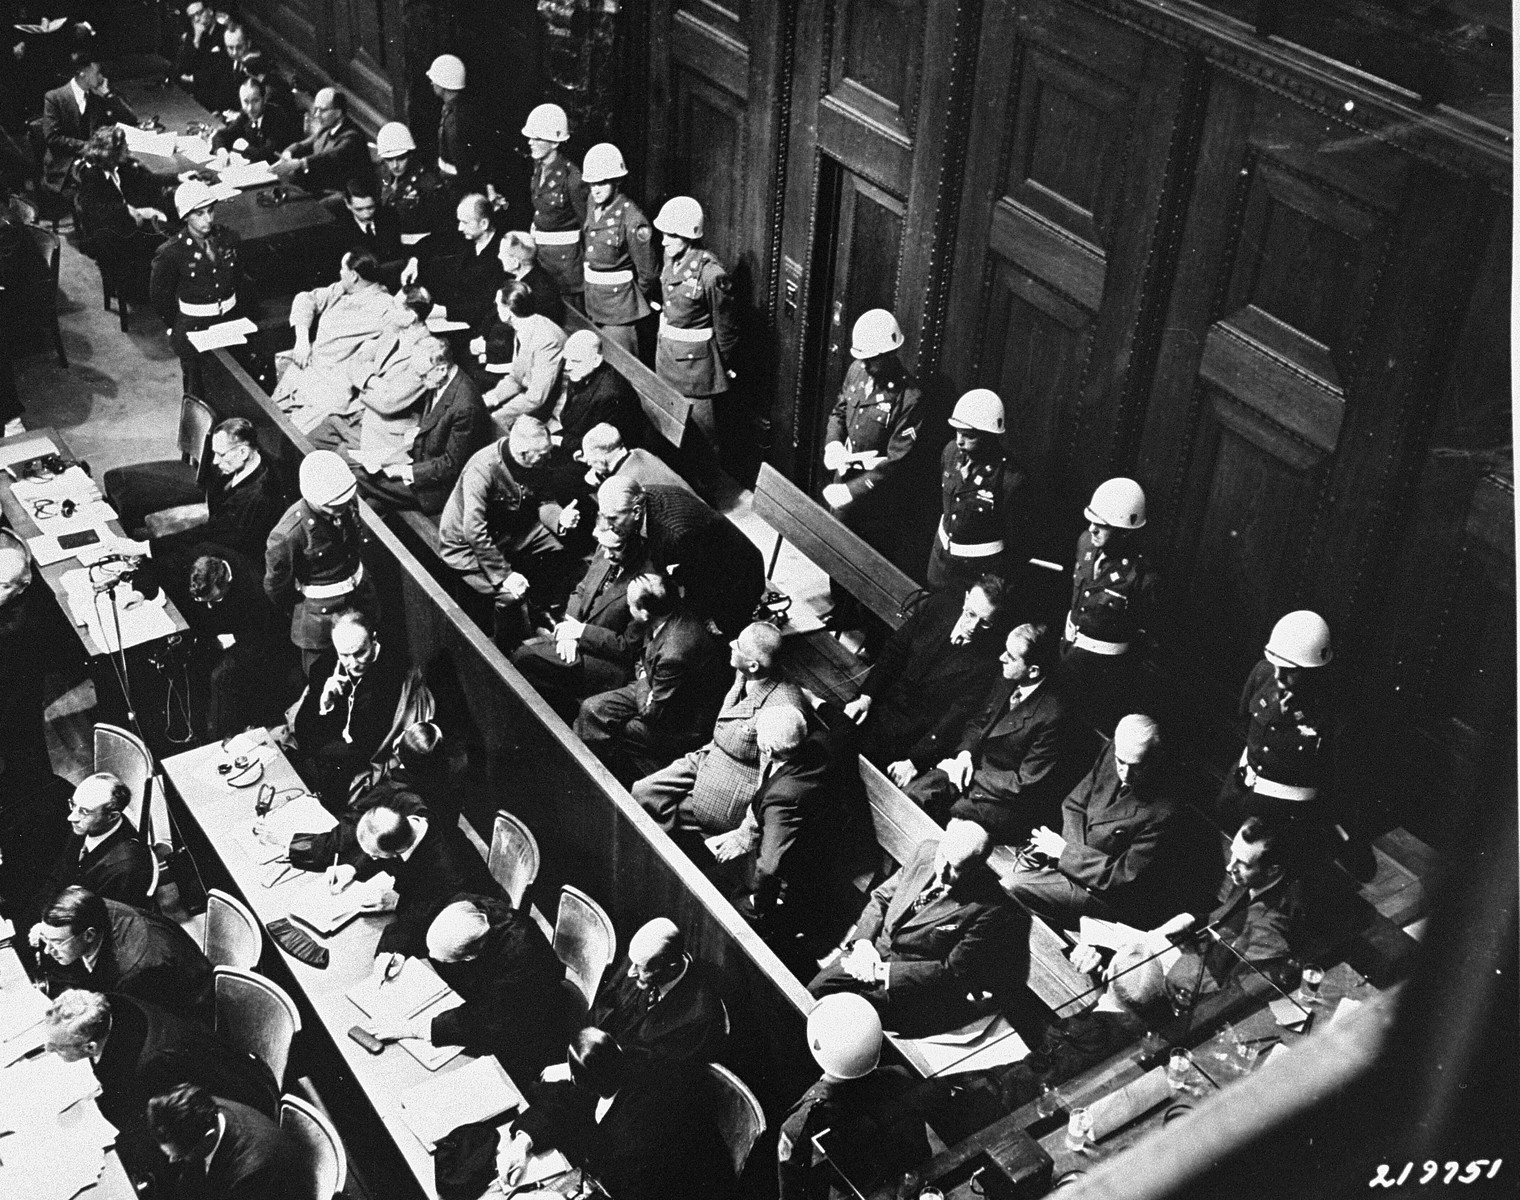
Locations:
(79, 95)
(603, 1104)
(414, 821)
(1024, 691)
(685, 966)
(221, 1132)
(93, 840)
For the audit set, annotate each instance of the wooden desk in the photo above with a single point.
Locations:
(174, 107)
(223, 814)
(21, 521)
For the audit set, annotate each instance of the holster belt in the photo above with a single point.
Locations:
(675, 333)
(411, 239)
(327, 591)
(968, 549)
(607, 278)
(447, 168)
(557, 237)
(1271, 789)
(1091, 644)
(215, 309)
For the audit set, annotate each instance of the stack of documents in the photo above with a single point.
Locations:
(247, 175)
(225, 333)
(134, 619)
(480, 1091)
(140, 141)
(415, 992)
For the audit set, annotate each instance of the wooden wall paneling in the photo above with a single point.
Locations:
(365, 52)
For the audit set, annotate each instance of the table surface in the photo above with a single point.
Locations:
(21, 521)
(225, 816)
(114, 1183)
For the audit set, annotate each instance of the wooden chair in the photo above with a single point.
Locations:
(585, 941)
(47, 304)
(52, 203)
(126, 756)
(196, 421)
(738, 1113)
(514, 857)
(256, 1015)
(321, 1147)
(233, 935)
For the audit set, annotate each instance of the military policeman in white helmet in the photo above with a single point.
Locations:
(313, 561)
(195, 276)
(558, 196)
(462, 149)
(620, 270)
(855, 1118)
(411, 189)
(979, 490)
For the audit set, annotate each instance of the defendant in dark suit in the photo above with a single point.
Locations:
(102, 852)
(222, 1150)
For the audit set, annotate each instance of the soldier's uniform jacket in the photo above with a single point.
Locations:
(875, 413)
(559, 210)
(977, 496)
(461, 145)
(1110, 594)
(873, 1133)
(617, 238)
(419, 200)
(186, 272)
(1287, 732)
(697, 296)
(307, 548)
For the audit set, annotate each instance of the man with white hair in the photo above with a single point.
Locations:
(934, 940)
(102, 852)
(514, 1006)
(593, 393)
(605, 452)
(1109, 858)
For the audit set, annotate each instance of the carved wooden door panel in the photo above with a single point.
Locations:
(366, 49)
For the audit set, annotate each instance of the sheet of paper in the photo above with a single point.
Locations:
(46, 25)
(223, 191)
(1345, 1008)
(46, 550)
(326, 912)
(224, 333)
(303, 814)
(21, 1008)
(401, 998)
(24, 451)
(146, 621)
(540, 1166)
(86, 516)
(73, 485)
(140, 141)
(40, 1088)
(480, 1091)
(997, 1045)
(196, 149)
(1111, 934)
(1287, 1014)
(49, 1167)
(248, 175)
(430, 1056)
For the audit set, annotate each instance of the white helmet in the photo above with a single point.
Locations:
(394, 140)
(191, 195)
(604, 161)
(447, 71)
(876, 332)
(547, 123)
(1300, 639)
(980, 409)
(682, 216)
(1118, 503)
(325, 479)
(844, 1034)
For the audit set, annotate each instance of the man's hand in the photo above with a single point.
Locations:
(34, 935)
(958, 769)
(409, 276)
(1086, 958)
(339, 876)
(477, 346)
(332, 691)
(857, 709)
(569, 517)
(555, 1073)
(1178, 925)
(568, 650)
(862, 961)
(1048, 842)
(388, 966)
(836, 495)
(569, 629)
(285, 165)
(726, 847)
(903, 772)
(401, 471)
(870, 461)
(513, 1160)
(394, 1031)
(300, 353)
(513, 587)
(834, 456)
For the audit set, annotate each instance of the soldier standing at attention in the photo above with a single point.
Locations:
(559, 199)
(461, 153)
(978, 486)
(698, 336)
(620, 269)
(873, 425)
(313, 562)
(411, 189)
(194, 279)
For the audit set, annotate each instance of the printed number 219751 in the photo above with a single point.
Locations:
(1451, 1172)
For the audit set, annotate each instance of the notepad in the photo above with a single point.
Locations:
(478, 1092)
(401, 998)
(324, 913)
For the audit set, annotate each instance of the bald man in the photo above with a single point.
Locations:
(23, 650)
(102, 852)
(512, 983)
(935, 944)
(593, 394)
(334, 152)
(605, 452)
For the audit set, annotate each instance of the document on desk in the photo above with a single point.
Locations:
(92, 514)
(327, 912)
(140, 141)
(73, 484)
(480, 1091)
(57, 1157)
(225, 333)
(196, 149)
(130, 624)
(25, 451)
(21, 1010)
(247, 175)
(402, 998)
(37, 1089)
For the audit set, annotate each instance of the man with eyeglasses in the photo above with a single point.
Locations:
(928, 679)
(102, 852)
(334, 152)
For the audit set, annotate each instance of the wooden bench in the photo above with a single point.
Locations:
(664, 407)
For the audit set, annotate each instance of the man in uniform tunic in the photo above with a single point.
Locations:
(873, 425)
(698, 335)
(313, 562)
(195, 275)
(559, 199)
(411, 189)
(979, 488)
(620, 269)
(461, 141)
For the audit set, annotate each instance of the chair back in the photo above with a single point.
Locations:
(322, 1149)
(125, 756)
(739, 1115)
(257, 1016)
(47, 244)
(195, 424)
(158, 872)
(584, 939)
(513, 859)
(233, 936)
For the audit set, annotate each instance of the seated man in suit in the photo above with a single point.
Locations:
(334, 152)
(708, 790)
(222, 1150)
(1109, 860)
(71, 113)
(593, 393)
(261, 129)
(201, 63)
(241, 651)
(719, 570)
(429, 861)
(604, 450)
(926, 682)
(519, 259)
(669, 706)
(590, 650)
(452, 425)
(465, 281)
(1001, 775)
(932, 939)
(530, 380)
(644, 1130)
(140, 1050)
(109, 947)
(102, 852)
(515, 1004)
(348, 707)
(363, 224)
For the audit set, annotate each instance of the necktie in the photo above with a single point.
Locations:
(651, 998)
(928, 896)
(369, 231)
